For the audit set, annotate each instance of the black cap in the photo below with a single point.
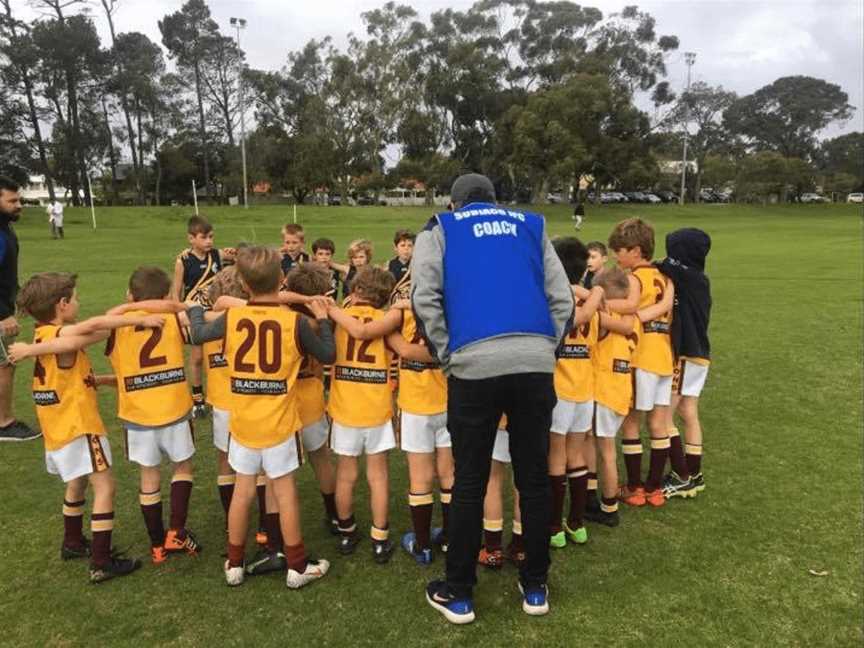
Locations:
(472, 187)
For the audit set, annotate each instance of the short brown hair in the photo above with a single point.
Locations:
(198, 225)
(227, 282)
(403, 235)
(632, 232)
(373, 285)
(296, 230)
(323, 244)
(42, 292)
(599, 247)
(614, 283)
(260, 268)
(308, 279)
(149, 282)
(360, 245)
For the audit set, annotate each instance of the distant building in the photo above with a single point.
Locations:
(35, 192)
(673, 167)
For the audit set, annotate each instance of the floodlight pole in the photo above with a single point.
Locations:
(689, 59)
(238, 24)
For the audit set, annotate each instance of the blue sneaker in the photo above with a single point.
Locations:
(458, 611)
(409, 544)
(439, 539)
(535, 600)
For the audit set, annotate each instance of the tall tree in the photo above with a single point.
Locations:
(187, 34)
(787, 115)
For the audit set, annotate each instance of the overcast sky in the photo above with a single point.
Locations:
(740, 45)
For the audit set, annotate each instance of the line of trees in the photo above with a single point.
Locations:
(534, 94)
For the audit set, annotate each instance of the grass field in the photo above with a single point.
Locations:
(783, 463)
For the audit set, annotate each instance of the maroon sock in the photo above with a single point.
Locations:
(632, 451)
(676, 455)
(348, 526)
(101, 525)
(181, 491)
(330, 506)
(295, 556)
(236, 555)
(446, 495)
(493, 533)
(226, 492)
(609, 504)
(73, 524)
(557, 489)
(659, 454)
(694, 458)
(274, 532)
(151, 508)
(261, 490)
(421, 517)
(578, 478)
(517, 542)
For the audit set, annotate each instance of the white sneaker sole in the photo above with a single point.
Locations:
(458, 619)
(234, 576)
(534, 610)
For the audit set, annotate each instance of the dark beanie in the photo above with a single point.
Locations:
(472, 187)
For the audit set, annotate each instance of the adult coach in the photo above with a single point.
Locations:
(10, 211)
(492, 301)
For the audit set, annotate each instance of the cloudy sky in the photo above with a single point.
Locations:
(740, 45)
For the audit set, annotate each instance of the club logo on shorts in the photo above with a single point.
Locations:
(655, 326)
(366, 376)
(257, 387)
(155, 379)
(45, 397)
(413, 365)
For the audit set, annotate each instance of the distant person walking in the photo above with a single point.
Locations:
(55, 217)
(10, 212)
(579, 215)
(498, 360)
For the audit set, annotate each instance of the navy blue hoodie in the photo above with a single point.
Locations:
(686, 250)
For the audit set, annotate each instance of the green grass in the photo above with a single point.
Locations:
(783, 459)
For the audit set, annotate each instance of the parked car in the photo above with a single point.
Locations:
(652, 198)
(334, 200)
(667, 196)
(855, 198)
(813, 198)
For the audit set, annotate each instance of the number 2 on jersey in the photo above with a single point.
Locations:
(361, 354)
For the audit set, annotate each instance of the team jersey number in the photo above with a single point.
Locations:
(355, 353)
(268, 333)
(145, 357)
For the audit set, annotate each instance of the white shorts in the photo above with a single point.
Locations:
(571, 417)
(689, 378)
(421, 433)
(275, 461)
(354, 441)
(220, 429)
(501, 450)
(82, 456)
(607, 422)
(146, 447)
(314, 435)
(651, 389)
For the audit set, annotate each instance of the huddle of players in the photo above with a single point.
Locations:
(268, 338)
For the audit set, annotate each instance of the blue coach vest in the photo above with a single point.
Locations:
(482, 240)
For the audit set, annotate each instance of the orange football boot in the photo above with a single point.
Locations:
(158, 555)
(174, 543)
(655, 498)
(632, 497)
(261, 537)
(493, 559)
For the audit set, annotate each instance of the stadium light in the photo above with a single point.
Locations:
(238, 24)
(689, 59)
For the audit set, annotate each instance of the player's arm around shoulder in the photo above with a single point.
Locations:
(316, 336)
(177, 279)
(622, 325)
(585, 311)
(200, 330)
(661, 308)
(358, 330)
(408, 351)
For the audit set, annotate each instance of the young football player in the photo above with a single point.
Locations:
(293, 242)
(194, 270)
(361, 408)
(632, 241)
(613, 389)
(571, 418)
(403, 245)
(154, 407)
(492, 554)
(323, 250)
(264, 346)
(64, 391)
(597, 258)
(359, 255)
(686, 250)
